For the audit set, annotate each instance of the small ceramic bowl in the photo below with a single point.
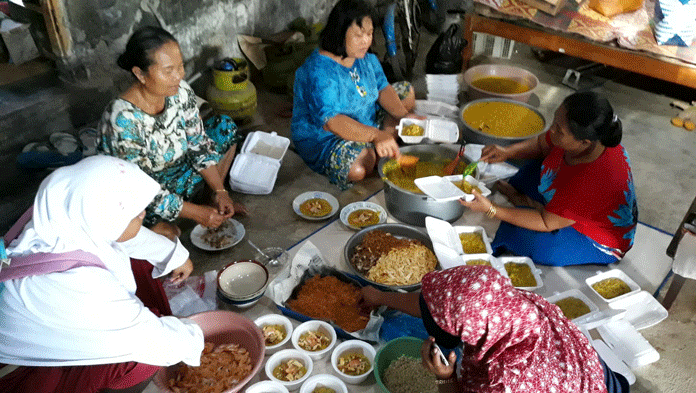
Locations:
(242, 283)
(315, 325)
(323, 380)
(267, 387)
(275, 319)
(353, 346)
(352, 207)
(285, 355)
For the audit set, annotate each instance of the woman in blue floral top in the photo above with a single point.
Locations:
(156, 125)
(345, 111)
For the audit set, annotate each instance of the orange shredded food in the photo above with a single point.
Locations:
(222, 367)
(330, 299)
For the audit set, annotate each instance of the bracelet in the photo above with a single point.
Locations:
(492, 211)
(220, 190)
(446, 381)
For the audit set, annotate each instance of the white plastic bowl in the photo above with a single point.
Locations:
(242, 283)
(353, 346)
(325, 380)
(284, 355)
(267, 387)
(275, 319)
(315, 325)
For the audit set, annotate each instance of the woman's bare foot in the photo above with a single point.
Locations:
(167, 229)
(515, 197)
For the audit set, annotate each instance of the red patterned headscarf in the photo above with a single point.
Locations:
(514, 340)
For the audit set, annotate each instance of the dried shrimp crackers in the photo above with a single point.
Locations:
(222, 367)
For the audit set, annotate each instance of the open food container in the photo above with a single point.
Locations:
(255, 168)
(448, 246)
(575, 293)
(434, 130)
(436, 108)
(444, 189)
(536, 273)
(613, 274)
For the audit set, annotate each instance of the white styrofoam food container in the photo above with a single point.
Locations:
(255, 168)
(473, 229)
(628, 344)
(642, 310)
(614, 273)
(578, 295)
(442, 189)
(435, 130)
(526, 260)
(437, 109)
(495, 262)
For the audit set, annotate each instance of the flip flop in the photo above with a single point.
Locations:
(64, 143)
(88, 138)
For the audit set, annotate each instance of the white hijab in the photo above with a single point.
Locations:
(87, 206)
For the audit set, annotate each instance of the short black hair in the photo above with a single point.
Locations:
(591, 117)
(140, 45)
(345, 12)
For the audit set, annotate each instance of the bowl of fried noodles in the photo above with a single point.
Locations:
(233, 354)
(391, 256)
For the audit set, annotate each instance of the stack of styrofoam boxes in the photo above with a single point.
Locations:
(443, 88)
(255, 169)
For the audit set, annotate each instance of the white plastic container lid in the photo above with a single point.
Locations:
(613, 362)
(628, 344)
(442, 189)
(436, 108)
(435, 130)
(642, 310)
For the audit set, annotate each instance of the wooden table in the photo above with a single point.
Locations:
(574, 45)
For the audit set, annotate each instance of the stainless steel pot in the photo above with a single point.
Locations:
(398, 230)
(412, 208)
(472, 135)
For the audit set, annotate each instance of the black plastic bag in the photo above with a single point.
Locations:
(445, 56)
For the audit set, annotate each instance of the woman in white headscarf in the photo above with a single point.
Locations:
(80, 326)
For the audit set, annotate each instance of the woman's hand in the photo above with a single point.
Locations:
(495, 153)
(385, 144)
(479, 204)
(370, 297)
(224, 203)
(412, 115)
(182, 272)
(432, 362)
(209, 216)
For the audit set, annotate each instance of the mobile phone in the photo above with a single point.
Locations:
(438, 351)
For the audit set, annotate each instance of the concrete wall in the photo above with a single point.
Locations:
(99, 30)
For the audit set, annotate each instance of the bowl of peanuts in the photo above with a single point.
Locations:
(233, 354)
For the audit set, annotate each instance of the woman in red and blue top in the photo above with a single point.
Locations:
(575, 203)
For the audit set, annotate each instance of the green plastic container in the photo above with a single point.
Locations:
(409, 346)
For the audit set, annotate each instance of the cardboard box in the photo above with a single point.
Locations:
(18, 40)
(549, 6)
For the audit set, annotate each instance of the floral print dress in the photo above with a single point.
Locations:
(172, 146)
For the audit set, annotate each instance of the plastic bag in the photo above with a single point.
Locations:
(445, 56)
(196, 294)
(610, 8)
(675, 22)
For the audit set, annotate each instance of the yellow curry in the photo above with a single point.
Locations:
(500, 85)
(503, 119)
(405, 178)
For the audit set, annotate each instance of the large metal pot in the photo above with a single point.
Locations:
(412, 208)
(472, 135)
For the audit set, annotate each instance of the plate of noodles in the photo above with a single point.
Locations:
(391, 256)
(315, 205)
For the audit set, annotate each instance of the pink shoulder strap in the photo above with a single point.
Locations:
(44, 263)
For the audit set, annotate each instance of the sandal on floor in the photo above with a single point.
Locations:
(45, 155)
(88, 138)
(64, 143)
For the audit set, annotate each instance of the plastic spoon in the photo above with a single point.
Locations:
(270, 260)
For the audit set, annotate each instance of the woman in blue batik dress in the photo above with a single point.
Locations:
(576, 203)
(156, 125)
(345, 111)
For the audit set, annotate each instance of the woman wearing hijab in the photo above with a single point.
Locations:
(70, 319)
(512, 340)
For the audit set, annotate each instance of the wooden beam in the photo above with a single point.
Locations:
(601, 53)
(58, 33)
